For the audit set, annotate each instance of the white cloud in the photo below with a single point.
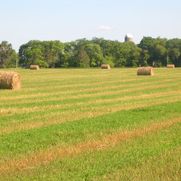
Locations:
(104, 28)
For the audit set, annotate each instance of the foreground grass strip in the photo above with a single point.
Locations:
(165, 167)
(95, 164)
(46, 156)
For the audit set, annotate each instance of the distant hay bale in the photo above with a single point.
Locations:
(145, 71)
(10, 80)
(170, 66)
(105, 66)
(34, 67)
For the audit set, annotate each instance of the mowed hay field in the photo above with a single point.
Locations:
(92, 124)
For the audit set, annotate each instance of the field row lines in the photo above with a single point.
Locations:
(44, 157)
(64, 102)
(75, 93)
(46, 90)
(82, 113)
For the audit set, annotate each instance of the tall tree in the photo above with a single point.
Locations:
(95, 54)
(174, 51)
(8, 56)
(82, 58)
(52, 52)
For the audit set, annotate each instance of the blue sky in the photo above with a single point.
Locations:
(66, 20)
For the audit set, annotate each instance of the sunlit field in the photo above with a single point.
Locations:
(92, 124)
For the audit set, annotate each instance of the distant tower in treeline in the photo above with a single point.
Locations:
(128, 38)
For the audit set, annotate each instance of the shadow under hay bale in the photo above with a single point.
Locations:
(105, 66)
(170, 66)
(10, 80)
(34, 67)
(145, 71)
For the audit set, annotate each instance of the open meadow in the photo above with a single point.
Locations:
(92, 124)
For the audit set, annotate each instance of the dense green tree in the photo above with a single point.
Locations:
(45, 54)
(82, 58)
(92, 53)
(144, 57)
(174, 55)
(8, 56)
(127, 55)
(156, 51)
(110, 50)
(53, 50)
(109, 60)
(95, 54)
(32, 53)
(174, 51)
(160, 55)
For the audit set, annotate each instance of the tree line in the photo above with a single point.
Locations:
(85, 53)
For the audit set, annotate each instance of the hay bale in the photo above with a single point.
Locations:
(10, 80)
(105, 66)
(34, 67)
(145, 71)
(170, 66)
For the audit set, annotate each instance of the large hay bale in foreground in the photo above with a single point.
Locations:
(170, 66)
(10, 80)
(105, 66)
(34, 67)
(145, 71)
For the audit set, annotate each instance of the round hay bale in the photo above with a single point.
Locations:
(105, 66)
(10, 80)
(170, 66)
(34, 67)
(145, 71)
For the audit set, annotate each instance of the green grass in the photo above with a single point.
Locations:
(62, 108)
(118, 160)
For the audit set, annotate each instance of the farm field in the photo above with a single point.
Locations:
(92, 124)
